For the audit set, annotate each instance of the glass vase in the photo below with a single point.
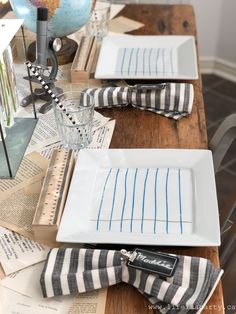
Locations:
(9, 98)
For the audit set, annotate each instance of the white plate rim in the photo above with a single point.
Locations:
(99, 74)
(68, 233)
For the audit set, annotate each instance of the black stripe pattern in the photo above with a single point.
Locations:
(175, 100)
(72, 271)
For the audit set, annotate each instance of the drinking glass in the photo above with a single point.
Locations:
(80, 106)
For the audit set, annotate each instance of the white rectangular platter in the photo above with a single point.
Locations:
(147, 57)
(142, 197)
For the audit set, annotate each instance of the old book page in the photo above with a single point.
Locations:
(18, 252)
(101, 139)
(45, 133)
(122, 24)
(19, 196)
(90, 303)
(27, 282)
(15, 303)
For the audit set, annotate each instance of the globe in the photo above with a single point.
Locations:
(65, 16)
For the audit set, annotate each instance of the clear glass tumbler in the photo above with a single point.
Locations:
(80, 106)
(98, 24)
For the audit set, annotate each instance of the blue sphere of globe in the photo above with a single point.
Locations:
(65, 16)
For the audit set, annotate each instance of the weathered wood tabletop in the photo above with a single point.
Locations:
(140, 129)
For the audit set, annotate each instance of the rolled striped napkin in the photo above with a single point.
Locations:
(172, 100)
(72, 271)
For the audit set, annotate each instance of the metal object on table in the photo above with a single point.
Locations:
(146, 87)
(5, 151)
(46, 48)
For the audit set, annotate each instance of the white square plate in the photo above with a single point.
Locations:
(142, 196)
(147, 57)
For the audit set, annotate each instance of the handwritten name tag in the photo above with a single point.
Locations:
(159, 263)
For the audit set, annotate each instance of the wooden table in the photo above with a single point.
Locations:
(139, 129)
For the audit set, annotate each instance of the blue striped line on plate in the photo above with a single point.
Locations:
(124, 200)
(123, 61)
(163, 59)
(130, 60)
(101, 202)
(149, 61)
(171, 61)
(133, 200)
(167, 206)
(136, 65)
(180, 203)
(157, 59)
(144, 195)
(155, 200)
(114, 197)
(144, 55)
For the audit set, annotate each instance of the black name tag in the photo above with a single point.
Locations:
(159, 263)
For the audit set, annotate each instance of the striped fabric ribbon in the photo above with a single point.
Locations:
(72, 271)
(174, 101)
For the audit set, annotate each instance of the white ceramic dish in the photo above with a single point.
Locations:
(147, 57)
(142, 197)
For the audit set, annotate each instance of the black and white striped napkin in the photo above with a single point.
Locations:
(174, 100)
(72, 271)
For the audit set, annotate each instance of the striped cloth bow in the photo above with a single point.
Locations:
(172, 100)
(72, 271)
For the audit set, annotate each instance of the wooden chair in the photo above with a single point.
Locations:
(223, 139)
(228, 238)
(220, 144)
